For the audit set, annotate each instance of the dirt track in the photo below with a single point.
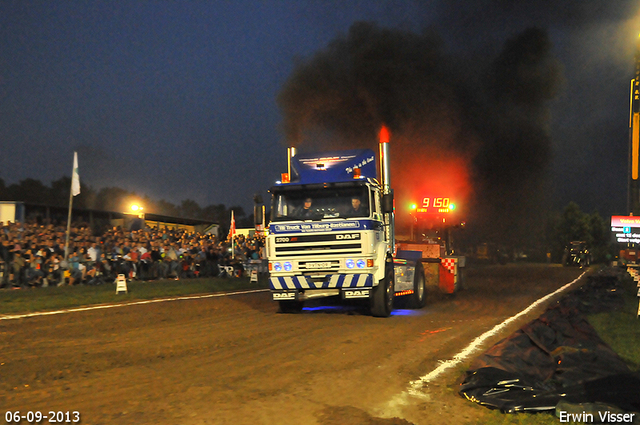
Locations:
(234, 360)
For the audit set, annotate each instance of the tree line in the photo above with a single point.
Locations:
(572, 224)
(116, 199)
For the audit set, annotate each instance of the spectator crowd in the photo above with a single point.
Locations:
(33, 255)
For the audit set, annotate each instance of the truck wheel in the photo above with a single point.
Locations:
(382, 299)
(291, 306)
(419, 296)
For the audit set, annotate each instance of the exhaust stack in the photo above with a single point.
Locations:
(385, 175)
(286, 177)
(291, 152)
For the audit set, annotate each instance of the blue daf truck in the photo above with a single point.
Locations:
(331, 233)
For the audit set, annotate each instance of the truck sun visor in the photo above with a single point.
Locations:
(333, 166)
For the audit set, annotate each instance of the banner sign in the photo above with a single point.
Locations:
(625, 221)
(321, 226)
(626, 228)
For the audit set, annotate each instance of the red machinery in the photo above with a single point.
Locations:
(431, 232)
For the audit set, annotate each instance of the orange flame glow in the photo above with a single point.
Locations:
(384, 134)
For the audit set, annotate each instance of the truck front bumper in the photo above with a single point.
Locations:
(331, 281)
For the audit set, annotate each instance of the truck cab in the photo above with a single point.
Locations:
(328, 248)
(328, 235)
(332, 233)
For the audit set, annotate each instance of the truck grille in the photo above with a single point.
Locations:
(318, 245)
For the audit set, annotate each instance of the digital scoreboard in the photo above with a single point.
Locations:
(434, 205)
(626, 228)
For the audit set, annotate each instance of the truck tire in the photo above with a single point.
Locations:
(291, 306)
(419, 297)
(382, 299)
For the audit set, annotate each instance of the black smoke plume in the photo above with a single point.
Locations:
(484, 120)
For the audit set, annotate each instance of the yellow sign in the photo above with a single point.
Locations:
(635, 145)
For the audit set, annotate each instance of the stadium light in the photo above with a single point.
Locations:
(137, 210)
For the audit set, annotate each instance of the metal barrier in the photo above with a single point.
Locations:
(261, 266)
(635, 274)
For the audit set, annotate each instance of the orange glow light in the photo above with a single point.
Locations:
(384, 134)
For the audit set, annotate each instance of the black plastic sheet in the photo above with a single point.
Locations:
(557, 357)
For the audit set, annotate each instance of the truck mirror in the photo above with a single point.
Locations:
(387, 203)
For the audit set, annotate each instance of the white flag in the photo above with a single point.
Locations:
(75, 178)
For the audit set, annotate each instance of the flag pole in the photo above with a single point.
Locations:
(73, 191)
(233, 234)
(66, 243)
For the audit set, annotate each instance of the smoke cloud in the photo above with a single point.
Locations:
(475, 131)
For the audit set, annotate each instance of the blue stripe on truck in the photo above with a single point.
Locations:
(331, 281)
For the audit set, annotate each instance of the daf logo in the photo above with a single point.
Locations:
(284, 295)
(357, 293)
(348, 236)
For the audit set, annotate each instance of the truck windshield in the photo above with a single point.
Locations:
(315, 204)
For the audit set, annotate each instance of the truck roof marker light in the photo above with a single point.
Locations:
(285, 178)
(357, 173)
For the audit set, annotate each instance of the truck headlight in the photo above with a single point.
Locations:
(277, 267)
(360, 264)
(350, 263)
(287, 266)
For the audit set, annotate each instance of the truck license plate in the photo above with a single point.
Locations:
(322, 265)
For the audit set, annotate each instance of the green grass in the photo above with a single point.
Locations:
(53, 298)
(621, 329)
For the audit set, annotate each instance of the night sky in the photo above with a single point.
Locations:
(178, 99)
